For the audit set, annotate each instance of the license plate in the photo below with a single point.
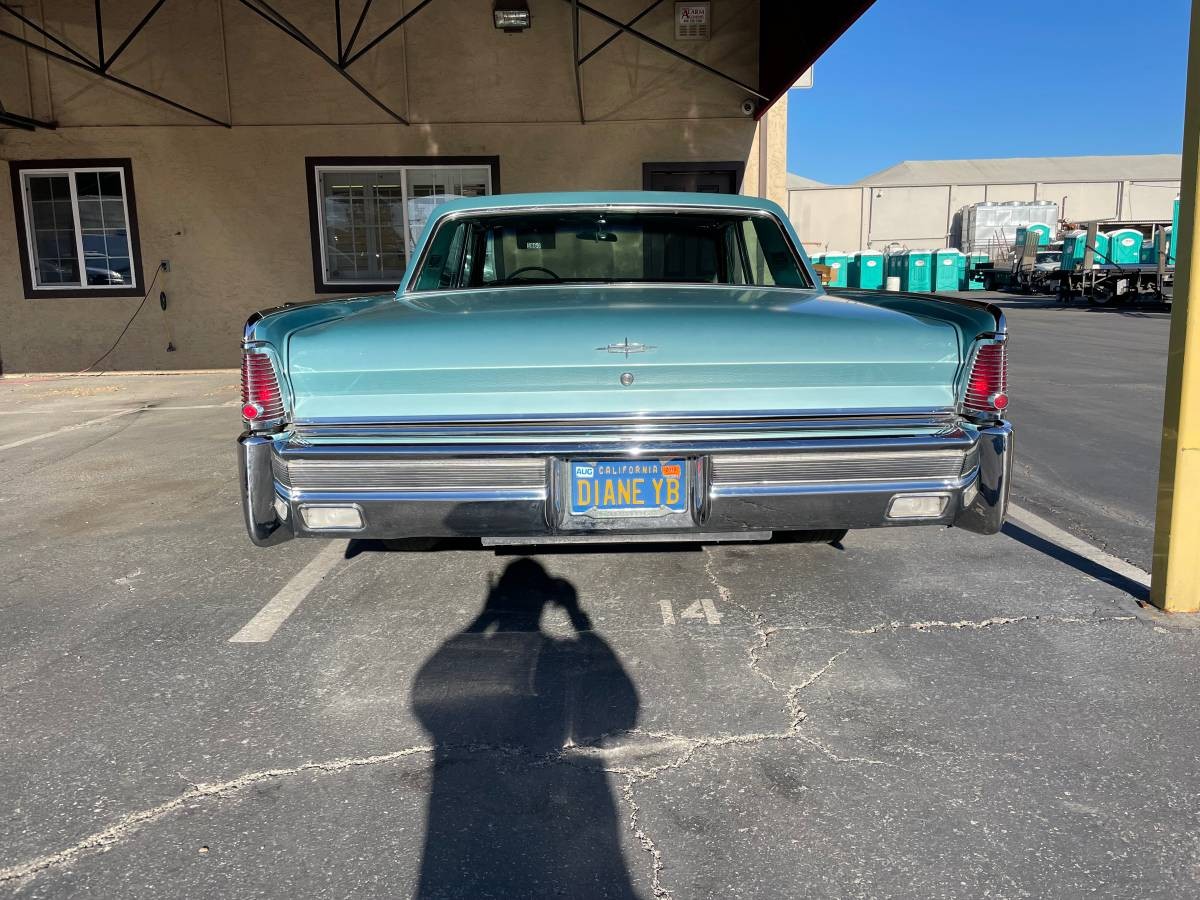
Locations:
(628, 487)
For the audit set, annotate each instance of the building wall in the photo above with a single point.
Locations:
(229, 206)
(926, 216)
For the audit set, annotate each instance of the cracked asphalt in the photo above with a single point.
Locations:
(912, 713)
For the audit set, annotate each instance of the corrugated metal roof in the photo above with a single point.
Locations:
(1157, 167)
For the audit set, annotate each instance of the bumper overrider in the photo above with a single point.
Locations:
(365, 484)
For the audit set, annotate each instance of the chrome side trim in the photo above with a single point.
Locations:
(297, 448)
(410, 475)
(806, 468)
(630, 427)
(849, 488)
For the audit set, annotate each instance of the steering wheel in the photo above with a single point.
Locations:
(517, 272)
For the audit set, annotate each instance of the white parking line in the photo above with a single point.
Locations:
(268, 619)
(35, 411)
(1039, 526)
(49, 434)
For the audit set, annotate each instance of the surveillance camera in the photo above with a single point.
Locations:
(748, 107)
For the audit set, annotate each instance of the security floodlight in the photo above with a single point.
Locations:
(511, 16)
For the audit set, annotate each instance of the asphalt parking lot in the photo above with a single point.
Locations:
(914, 712)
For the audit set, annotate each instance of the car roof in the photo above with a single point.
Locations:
(672, 199)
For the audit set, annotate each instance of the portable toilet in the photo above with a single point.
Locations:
(1072, 251)
(1174, 232)
(1149, 254)
(946, 269)
(866, 269)
(1039, 228)
(1124, 246)
(836, 261)
(914, 271)
(970, 264)
(1100, 257)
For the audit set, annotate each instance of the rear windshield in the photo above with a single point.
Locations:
(604, 246)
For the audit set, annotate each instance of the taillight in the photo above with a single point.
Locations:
(262, 401)
(987, 384)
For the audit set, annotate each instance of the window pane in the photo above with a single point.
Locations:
(90, 214)
(430, 188)
(102, 220)
(110, 185)
(51, 224)
(363, 212)
(87, 184)
(529, 247)
(760, 273)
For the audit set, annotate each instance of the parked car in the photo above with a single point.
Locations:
(621, 366)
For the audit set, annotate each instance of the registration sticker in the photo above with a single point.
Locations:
(628, 486)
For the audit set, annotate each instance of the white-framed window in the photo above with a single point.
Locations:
(368, 214)
(78, 228)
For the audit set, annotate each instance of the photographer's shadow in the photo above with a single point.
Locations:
(510, 815)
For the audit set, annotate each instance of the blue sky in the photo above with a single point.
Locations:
(903, 81)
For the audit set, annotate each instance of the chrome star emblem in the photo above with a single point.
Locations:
(627, 347)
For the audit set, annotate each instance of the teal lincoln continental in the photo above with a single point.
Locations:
(621, 367)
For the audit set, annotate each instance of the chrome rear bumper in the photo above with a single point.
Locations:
(482, 490)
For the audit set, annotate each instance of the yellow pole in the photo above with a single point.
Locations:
(1176, 576)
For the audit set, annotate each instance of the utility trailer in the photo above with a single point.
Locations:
(1116, 284)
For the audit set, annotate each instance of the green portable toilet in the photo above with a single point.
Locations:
(866, 269)
(1124, 246)
(1042, 231)
(1100, 257)
(1174, 232)
(915, 266)
(1074, 245)
(947, 265)
(1149, 254)
(971, 280)
(837, 262)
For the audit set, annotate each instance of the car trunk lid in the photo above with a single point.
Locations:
(619, 349)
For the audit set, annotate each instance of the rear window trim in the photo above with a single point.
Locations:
(449, 219)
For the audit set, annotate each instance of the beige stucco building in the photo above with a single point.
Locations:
(288, 150)
(919, 203)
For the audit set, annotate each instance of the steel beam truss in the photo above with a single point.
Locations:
(99, 66)
(345, 57)
(23, 122)
(578, 6)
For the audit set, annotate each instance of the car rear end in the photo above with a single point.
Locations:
(707, 475)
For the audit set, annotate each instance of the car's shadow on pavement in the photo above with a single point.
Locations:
(511, 812)
(1074, 560)
(359, 546)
